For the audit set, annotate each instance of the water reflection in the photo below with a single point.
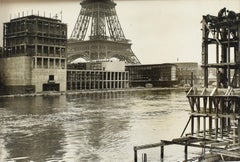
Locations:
(27, 128)
(88, 126)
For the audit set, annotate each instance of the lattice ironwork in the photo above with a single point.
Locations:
(102, 16)
(99, 19)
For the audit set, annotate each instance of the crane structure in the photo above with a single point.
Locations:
(99, 20)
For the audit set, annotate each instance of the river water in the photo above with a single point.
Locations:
(92, 127)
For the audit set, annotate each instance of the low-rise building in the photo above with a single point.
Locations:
(152, 75)
(97, 76)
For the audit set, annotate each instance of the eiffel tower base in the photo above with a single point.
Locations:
(101, 50)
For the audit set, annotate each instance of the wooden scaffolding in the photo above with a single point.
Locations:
(215, 109)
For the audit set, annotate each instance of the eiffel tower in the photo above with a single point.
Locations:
(99, 20)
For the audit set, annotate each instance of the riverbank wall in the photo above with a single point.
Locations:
(53, 93)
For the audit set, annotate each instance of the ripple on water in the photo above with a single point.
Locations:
(101, 127)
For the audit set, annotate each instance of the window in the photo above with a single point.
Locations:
(51, 78)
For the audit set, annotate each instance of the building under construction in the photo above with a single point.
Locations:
(214, 120)
(34, 55)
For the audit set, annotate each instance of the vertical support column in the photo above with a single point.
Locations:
(216, 127)
(198, 117)
(144, 157)
(210, 117)
(48, 60)
(237, 48)
(217, 60)
(102, 80)
(205, 33)
(162, 152)
(76, 79)
(71, 80)
(90, 80)
(224, 54)
(114, 79)
(234, 123)
(204, 127)
(80, 80)
(186, 151)
(85, 79)
(238, 130)
(135, 154)
(122, 79)
(222, 119)
(191, 79)
(42, 51)
(54, 51)
(198, 125)
(106, 81)
(192, 125)
(35, 62)
(229, 70)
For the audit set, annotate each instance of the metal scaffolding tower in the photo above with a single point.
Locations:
(106, 40)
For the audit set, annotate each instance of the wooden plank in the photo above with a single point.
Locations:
(217, 144)
(149, 146)
(226, 153)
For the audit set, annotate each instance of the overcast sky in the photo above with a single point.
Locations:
(161, 30)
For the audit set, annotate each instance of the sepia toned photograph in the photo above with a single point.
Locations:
(119, 80)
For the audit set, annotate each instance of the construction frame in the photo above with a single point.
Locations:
(214, 118)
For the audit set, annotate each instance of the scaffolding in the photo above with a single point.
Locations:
(34, 47)
(215, 110)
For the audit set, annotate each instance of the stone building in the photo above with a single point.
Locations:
(33, 58)
(97, 76)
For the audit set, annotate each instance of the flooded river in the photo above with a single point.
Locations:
(91, 127)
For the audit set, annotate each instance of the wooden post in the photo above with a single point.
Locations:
(210, 117)
(228, 53)
(198, 125)
(204, 104)
(204, 127)
(144, 157)
(216, 121)
(216, 127)
(135, 154)
(198, 104)
(162, 153)
(191, 79)
(192, 125)
(222, 119)
(205, 33)
(186, 151)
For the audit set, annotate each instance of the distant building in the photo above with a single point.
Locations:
(34, 57)
(97, 76)
(152, 75)
(184, 70)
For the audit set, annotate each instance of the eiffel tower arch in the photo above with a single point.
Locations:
(106, 40)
